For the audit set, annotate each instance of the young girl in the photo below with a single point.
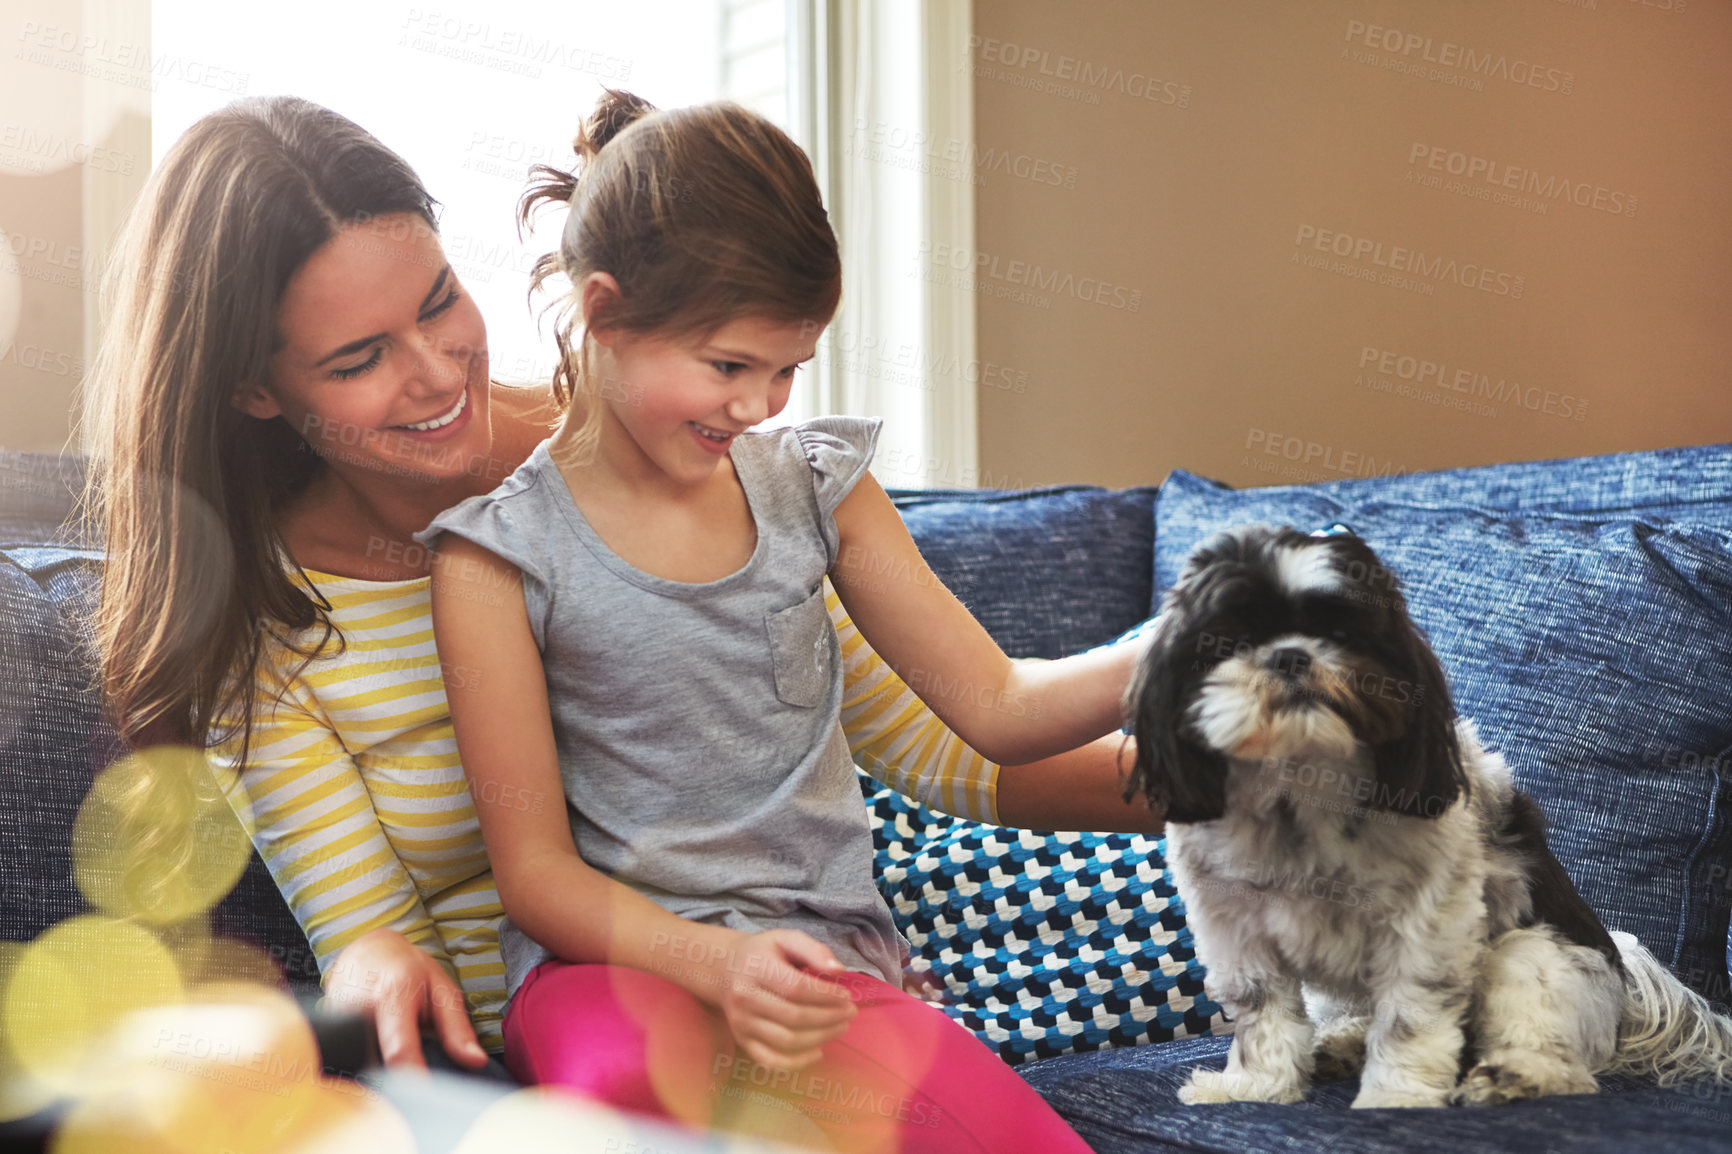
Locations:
(695, 931)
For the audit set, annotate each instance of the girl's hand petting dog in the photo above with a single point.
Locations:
(772, 991)
(401, 986)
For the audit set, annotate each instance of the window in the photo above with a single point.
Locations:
(472, 96)
(879, 94)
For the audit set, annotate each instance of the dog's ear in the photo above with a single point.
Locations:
(1419, 773)
(1181, 779)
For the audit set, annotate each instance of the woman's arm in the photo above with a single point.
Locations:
(504, 729)
(1080, 789)
(1009, 711)
(895, 737)
(304, 804)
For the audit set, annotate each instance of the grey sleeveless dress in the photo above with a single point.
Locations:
(698, 725)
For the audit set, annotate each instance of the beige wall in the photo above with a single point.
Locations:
(42, 334)
(1203, 152)
(74, 151)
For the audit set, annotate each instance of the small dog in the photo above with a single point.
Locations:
(1367, 888)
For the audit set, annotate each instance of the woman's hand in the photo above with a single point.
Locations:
(400, 985)
(770, 987)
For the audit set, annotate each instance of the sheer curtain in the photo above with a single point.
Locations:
(883, 97)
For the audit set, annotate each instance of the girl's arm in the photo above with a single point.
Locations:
(378, 951)
(1010, 711)
(895, 737)
(504, 729)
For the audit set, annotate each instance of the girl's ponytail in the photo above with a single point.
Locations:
(613, 111)
(549, 185)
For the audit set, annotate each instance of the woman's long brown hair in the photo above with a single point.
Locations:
(183, 487)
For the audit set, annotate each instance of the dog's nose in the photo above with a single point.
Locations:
(1290, 661)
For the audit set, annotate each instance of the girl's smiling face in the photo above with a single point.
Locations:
(382, 357)
(675, 405)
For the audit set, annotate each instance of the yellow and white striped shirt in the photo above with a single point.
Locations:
(356, 800)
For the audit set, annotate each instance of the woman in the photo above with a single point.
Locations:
(291, 384)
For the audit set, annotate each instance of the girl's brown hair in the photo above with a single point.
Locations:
(184, 488)
(702, 215)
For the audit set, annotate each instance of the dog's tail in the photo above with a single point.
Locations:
(1668, 1031)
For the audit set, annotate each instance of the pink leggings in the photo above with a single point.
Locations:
(904, 1079)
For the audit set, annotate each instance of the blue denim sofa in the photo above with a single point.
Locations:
(1583, 609)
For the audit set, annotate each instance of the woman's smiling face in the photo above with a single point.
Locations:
(381, 361)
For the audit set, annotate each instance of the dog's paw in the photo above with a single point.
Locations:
(1512, 1077)
(1205, 1086)
(1212, 1086)
(1398, 1097)
(1192, 1094)
(1339, 1055)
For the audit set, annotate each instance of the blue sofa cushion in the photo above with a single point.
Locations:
(1125, 1102)
(48, 750)
(54, 739)
(1049, 572)
(1692, 484)
(1593, 653)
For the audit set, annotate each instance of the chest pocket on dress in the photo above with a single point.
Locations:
(800, 648)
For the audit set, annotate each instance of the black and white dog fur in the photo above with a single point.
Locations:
(1368, 890)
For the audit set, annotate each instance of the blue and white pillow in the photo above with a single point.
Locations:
(1043, 943)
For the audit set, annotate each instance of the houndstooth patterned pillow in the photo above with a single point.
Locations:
(1043, 944)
